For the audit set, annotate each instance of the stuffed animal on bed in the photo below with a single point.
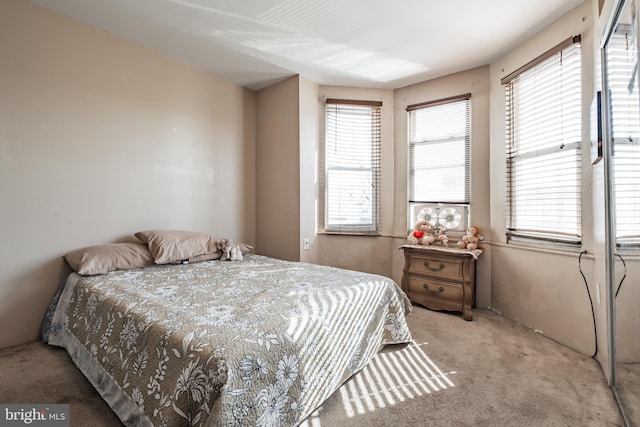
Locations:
(422, 234)
(230, 250)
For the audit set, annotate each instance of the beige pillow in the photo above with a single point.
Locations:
(204, 257)
(101, 259)
(169, 246)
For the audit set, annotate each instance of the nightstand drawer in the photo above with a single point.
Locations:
(433, 288)
(442, 268)
(440, 278)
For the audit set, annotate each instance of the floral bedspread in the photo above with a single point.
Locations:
(258, 342)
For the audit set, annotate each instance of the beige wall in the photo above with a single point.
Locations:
(288, 131)
(309, 146)
(387, 139)
(278, 170)
(366, 253)
(475, 82)
(100, 138)
(543, 289)
(381, 255)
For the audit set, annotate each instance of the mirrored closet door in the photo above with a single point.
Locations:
(622, 169)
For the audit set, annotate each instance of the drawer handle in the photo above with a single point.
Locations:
(426, 286)
(440, 267)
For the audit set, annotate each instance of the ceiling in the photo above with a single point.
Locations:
(361, 43)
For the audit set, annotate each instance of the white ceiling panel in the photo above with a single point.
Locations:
(366, 43)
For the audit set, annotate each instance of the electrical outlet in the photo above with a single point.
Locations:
(305, 244)
(598, 292)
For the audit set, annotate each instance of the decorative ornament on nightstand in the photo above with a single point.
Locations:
(440, 233)
(447, 218)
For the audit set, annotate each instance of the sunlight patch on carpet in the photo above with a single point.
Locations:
(393, 377)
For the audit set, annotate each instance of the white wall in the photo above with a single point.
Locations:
(100, 138)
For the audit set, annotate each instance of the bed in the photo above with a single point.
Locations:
(258, 342)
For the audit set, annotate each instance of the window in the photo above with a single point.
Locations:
(625, 112)
(543, 143)
(439, 152)
(351, 178)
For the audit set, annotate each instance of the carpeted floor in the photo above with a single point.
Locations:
(629, 389)
(488, 372)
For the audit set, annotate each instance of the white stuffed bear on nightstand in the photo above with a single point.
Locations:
(422, 234)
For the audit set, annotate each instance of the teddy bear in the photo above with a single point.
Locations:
(230, 250)
(422, 234)
(470, 239)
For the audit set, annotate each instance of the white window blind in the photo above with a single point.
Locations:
(625, 123)
(351, 159)
(543, 146)
(439, 145)
(439, 157)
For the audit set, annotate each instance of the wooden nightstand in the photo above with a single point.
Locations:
(441, 278)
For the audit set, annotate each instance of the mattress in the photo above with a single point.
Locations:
(258, 342)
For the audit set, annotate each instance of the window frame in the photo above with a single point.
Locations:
(436, 205)
(625, 148)
(517, 231)
(374, 167)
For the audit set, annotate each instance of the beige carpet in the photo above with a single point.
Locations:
(488, 372)
(629, 389)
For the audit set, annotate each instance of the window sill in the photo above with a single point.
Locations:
(566, 250)
(350, 233)
(629, 252)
